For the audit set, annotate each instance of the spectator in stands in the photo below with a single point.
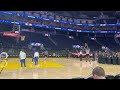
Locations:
(12, 49)
(95, 56)
(67, 52)
(0, 53)
(0, 47)
(98, 73)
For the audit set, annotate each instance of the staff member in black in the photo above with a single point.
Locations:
(67, 51)
(45, 54)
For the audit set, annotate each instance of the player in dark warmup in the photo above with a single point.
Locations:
(32, 54)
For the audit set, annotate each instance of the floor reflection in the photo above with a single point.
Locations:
(72, 68)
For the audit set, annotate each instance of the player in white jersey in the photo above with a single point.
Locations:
(80, 55)
(36, 57)
(22, 56)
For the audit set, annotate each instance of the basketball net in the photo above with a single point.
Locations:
(22, 37)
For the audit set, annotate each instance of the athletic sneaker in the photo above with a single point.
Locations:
(38, 65)
(20, 68)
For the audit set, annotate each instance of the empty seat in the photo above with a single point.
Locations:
(90, 77)
(117, 76)
(78, 78)
(109, 77)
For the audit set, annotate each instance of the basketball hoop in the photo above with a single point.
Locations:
(22, 38)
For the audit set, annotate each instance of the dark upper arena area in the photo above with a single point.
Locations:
(53, 39)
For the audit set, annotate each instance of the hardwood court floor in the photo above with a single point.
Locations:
(53, 68)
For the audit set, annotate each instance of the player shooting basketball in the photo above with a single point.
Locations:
(87, 51)
(80, 55)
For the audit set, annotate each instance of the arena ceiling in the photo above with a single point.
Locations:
(87, 14)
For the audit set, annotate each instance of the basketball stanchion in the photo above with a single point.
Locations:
(4, 65)
(4, 59)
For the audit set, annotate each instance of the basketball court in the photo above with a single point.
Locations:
(52, 68)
